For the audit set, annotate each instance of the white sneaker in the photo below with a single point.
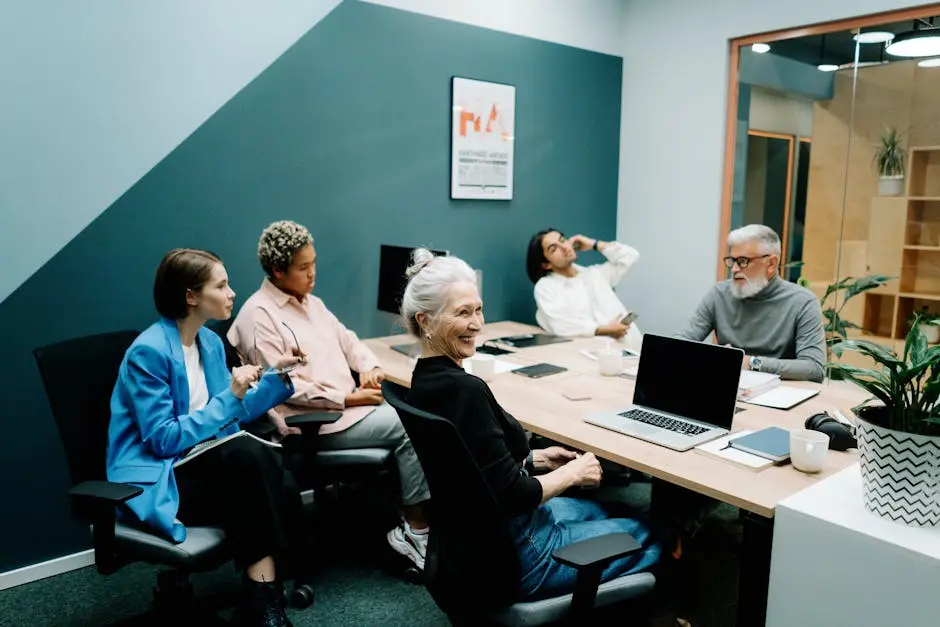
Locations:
(408, 544)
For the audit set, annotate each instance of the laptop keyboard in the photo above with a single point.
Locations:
(671, 424)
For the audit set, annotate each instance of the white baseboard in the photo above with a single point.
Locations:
(57, 566)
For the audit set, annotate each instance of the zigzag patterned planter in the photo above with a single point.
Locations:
(900, 474)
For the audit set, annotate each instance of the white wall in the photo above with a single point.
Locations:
(590, 24)
(96, 93)
(672, 134)
(775, 112)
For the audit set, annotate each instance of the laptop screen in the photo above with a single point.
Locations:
(690, 379)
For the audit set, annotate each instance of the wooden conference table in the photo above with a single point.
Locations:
(541, 406)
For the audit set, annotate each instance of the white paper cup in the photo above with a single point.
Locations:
(610, 363)
(808, 449)
(483, 366)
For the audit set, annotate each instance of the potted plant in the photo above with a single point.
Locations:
(929, 325)
(899, 433)
(889, 160)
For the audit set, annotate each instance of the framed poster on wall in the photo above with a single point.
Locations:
(482, 139)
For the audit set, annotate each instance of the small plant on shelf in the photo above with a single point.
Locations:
(889, 160)
(929, 324)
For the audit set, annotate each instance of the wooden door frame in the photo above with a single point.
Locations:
(731, 117)
(791, 142)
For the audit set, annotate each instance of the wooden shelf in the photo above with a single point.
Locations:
(921, 296)
(904, 242)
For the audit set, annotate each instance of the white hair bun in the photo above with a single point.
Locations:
(420, 257)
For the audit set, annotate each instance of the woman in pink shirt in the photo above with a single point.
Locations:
(283, 315)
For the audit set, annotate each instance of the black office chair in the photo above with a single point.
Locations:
(79, 376)
(471, 568)
(332, 467)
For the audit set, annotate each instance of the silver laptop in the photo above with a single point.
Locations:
(685, 393)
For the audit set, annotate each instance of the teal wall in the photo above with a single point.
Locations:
(348, 133)
(786, 75)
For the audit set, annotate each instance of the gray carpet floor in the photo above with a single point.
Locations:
(352, 589)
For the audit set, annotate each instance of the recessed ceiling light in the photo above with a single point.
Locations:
(827, 67)
(874, 37)
(930, 62)
(760, 48)
(917, 43)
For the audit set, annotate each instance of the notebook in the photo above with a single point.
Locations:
(772, 443)
(781, 397)
(537, 371)
(722, 449)
(525, 340)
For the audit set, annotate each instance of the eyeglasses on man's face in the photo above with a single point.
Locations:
(743, 262)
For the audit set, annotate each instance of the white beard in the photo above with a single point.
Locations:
(751, 288)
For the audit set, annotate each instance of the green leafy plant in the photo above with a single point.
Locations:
(840, 293)
(907, 386)
(890, 154)
(837, 327)
(925, 317)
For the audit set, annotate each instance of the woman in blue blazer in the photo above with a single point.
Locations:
(174, 391)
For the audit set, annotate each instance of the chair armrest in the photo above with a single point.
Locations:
(598, 551)
(314, 418)
(104, 492)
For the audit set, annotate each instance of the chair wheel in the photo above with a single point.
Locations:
(414, 575)
(302, 596)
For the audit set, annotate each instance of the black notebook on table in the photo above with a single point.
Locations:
(527, 340)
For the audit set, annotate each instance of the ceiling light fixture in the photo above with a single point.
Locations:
(760, 48)
(827, 67)
(935, 62)
(920, 42)
(874, 37)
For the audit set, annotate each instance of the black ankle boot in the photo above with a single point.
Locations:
(263, 605)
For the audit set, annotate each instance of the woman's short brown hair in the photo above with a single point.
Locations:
(180, 270)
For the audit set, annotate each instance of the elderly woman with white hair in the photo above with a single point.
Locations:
(283, 315)
(441, 306)
(778, 324)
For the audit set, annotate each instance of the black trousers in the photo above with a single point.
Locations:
(242, 487)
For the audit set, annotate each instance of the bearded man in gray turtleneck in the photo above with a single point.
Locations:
(778, 324)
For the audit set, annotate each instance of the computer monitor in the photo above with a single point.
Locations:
(393, 262)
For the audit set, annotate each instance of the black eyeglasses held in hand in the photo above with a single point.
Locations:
(260, 359)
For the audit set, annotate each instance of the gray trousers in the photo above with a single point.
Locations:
(383, 429)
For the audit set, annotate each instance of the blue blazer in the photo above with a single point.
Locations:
(151, 425)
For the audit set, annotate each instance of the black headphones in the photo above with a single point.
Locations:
(840, 435)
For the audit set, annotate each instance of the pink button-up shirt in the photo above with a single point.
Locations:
(331, 350)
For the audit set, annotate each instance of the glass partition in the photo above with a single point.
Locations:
(838, 149)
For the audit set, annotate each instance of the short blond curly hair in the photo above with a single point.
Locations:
(279, 242)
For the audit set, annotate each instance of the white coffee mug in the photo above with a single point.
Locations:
(483, 366)
(808, 449)
(610, 362)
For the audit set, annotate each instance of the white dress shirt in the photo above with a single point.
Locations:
(576, 306)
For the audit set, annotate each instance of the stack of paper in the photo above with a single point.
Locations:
(499, 366)
(720, 449)
(754, 383)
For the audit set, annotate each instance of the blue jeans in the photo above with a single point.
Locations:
(563, 521)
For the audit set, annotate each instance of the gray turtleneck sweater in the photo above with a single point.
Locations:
(782, 324)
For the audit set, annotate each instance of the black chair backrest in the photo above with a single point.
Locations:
(221, 327)
(79, 376)
(472, 559)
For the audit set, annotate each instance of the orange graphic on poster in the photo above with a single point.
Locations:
(468, 117)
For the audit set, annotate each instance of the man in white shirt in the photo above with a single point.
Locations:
(575, 300)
